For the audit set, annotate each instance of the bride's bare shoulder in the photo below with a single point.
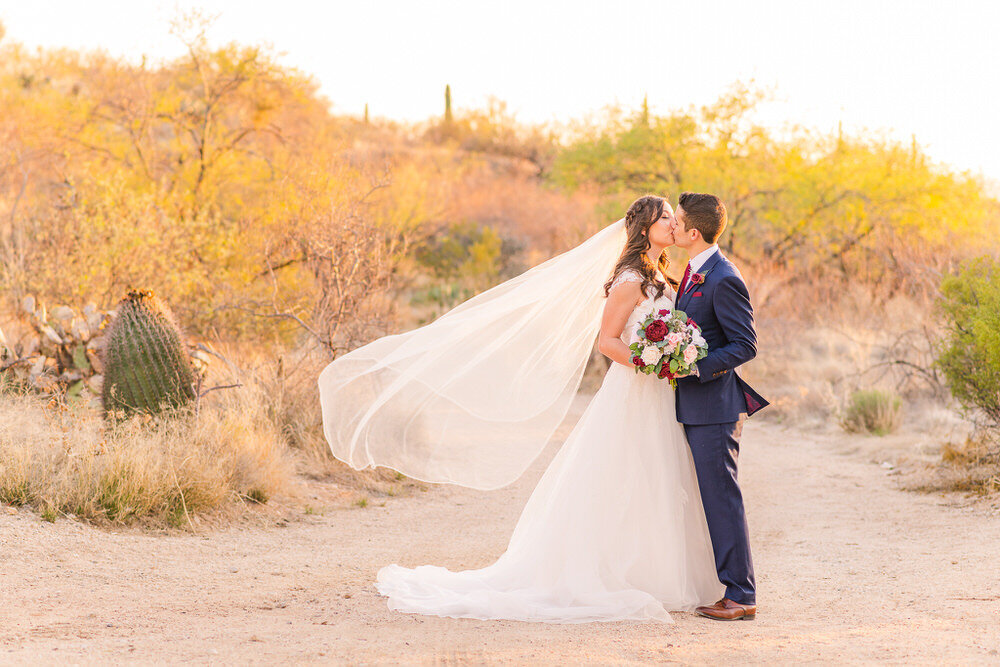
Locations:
(626, 276)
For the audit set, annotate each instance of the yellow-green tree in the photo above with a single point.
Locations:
(807, 203)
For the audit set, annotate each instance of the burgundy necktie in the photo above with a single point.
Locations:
(684, 280)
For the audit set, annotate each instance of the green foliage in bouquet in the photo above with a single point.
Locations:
(146, 367)
(969, 357)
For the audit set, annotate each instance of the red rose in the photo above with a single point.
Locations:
(697, 278)
(656, 331)
(664, 372)
(664, 312)
(637, 360)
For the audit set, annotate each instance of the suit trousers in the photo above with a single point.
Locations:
(715, 449)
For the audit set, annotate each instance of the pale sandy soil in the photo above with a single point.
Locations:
(850, 569)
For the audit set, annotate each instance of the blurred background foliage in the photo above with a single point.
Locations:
(222, 181)
(287, 234)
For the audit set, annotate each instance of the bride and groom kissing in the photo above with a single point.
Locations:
(639, 513)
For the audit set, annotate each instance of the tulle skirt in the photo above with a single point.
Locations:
(614, 530)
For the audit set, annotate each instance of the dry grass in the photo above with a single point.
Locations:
(971, 466)
(154, 471)
(244, 446)
(280, 388)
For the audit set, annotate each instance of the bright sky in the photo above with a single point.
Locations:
(903, 68)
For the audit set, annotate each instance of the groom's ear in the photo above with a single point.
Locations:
(692, 228)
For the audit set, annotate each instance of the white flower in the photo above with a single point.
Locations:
(698, 339)
(651, 356)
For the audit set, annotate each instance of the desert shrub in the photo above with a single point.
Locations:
(872, 410)
(470, 251)
(971, 466)
(978, 449)
(969, 356)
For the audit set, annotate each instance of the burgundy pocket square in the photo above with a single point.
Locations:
(696, 294)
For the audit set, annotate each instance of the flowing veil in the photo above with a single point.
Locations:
(473, 397)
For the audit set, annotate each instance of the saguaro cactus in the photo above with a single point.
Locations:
(146, 368)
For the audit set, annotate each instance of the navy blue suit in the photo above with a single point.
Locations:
(713, 405)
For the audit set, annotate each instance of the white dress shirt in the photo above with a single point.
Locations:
(699, 260)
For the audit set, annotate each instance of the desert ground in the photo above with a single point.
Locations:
(850, 568)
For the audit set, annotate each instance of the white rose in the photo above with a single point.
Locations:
(634, 336)
(698, 339)
(651, 356)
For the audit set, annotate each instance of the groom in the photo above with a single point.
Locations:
(713, 402)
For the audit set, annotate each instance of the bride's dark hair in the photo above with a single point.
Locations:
(643, 212)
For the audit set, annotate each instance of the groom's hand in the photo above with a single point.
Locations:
(693, 373)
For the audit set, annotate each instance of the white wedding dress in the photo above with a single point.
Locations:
(614, 530)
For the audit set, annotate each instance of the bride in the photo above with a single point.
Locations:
(615, 528)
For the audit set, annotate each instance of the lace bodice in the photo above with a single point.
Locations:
(643, 308)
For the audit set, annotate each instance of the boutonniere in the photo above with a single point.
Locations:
(697, 278)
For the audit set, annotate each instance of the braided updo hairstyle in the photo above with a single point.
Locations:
(643, 212)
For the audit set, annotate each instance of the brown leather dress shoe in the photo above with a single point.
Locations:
(727, 610)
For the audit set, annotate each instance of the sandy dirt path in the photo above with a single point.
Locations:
(850, 568)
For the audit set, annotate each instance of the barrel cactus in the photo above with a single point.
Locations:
(146, 368)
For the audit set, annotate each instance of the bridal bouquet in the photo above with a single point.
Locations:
(669, 343)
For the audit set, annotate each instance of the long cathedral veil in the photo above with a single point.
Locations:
(473, 397)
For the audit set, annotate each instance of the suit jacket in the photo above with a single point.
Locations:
(721, 307)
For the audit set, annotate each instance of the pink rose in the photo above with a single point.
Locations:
(690, 354)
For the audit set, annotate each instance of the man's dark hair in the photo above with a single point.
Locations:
(703, 212)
